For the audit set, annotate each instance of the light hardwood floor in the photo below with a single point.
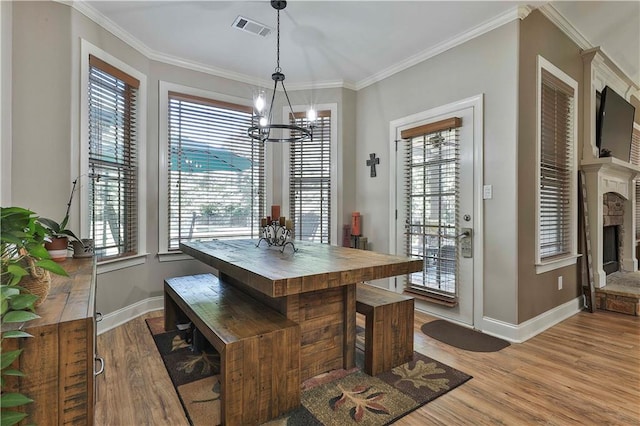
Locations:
(584, 371)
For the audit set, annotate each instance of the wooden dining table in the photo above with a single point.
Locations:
(314, 286)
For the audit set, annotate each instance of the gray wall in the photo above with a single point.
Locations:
(538, 293)
(5, 102)
(488, 65)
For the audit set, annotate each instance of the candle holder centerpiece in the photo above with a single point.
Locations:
(277, 233)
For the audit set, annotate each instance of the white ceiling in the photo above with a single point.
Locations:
(350, 43)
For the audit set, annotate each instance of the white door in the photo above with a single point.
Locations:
(437, 207)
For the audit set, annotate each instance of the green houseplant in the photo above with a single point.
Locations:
(22, 254)
(58, 234)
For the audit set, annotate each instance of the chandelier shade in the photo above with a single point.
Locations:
(264, 130)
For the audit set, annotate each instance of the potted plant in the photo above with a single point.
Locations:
(57, 233)
(24, 264)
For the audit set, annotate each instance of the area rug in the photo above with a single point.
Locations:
(463, 337)
(339, 397)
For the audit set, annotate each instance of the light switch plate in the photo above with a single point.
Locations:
(487, 192)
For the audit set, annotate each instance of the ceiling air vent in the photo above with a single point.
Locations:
(251, 26)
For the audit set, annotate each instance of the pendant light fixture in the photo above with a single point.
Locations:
(264, 131)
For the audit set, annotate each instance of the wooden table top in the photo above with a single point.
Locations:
(313, 267)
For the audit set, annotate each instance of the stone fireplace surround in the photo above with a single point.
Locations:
(613, 232)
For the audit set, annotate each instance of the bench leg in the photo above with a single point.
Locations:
(388, 337)
(260, 378)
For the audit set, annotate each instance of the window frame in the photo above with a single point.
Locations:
(336, 168)
(164, 254)
(546, 265)
(140, 256)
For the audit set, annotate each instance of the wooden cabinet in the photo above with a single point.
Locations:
(59, 360)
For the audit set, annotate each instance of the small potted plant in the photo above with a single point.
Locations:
(24, 284)
(22, 250)
(57, 233)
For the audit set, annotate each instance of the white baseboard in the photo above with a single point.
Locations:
(121, 316)
(513, 333)
(522, 332)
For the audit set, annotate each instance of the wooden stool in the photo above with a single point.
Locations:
(388, 327)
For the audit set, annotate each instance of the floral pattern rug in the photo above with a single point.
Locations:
(340, 397)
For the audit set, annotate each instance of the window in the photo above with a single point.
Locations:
(112, 160)
(556, 196)
(310, 200)
(432, 181)
(214, 171)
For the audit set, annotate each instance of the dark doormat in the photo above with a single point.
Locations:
(462, 337)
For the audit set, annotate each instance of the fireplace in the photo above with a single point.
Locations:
(610, 197)
(610, 249)
(613, 207)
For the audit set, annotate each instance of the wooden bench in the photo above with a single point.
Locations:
(259, 348)
(388, 327)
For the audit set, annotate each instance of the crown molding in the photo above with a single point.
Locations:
(524, 11)
(90, 12)
(84, 7)
(518, 12)
(551, 13)
(335, 84)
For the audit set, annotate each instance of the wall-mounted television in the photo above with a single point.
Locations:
(614, 125)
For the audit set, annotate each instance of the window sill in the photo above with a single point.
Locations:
(173, 256)
(556, 264)
(116, 264)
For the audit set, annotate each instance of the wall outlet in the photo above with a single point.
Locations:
(560, 282)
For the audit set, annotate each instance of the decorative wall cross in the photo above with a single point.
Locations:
(371, 162)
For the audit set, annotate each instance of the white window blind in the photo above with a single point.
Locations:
(310, 181)
(432, 178)
(635, 159)
(635, 147)
(556, 167)
(113, 202)
(215, 171)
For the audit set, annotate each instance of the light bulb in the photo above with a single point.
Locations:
(263, 121)
(259, 103)
(312, 115)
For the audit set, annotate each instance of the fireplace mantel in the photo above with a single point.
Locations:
(611, 166)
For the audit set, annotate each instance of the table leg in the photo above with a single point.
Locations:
(170, 311)
(349, 355)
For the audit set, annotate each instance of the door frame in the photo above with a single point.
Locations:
(477, 103)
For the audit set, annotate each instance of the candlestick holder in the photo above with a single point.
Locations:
(276, 235)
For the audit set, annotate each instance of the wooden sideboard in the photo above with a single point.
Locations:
(59, 361)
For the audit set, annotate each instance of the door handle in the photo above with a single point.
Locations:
(466, 242)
